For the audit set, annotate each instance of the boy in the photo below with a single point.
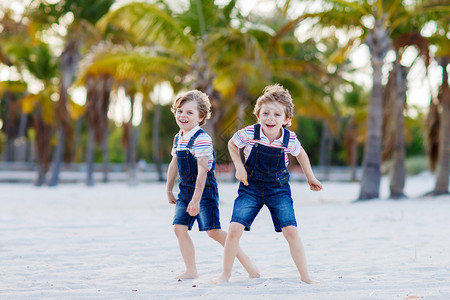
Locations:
(264, 178)
(193, 159)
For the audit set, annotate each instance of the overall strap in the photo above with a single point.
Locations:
(286, 138)
(257, 130)
(192, 140)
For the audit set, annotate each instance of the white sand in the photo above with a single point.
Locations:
(116, 242)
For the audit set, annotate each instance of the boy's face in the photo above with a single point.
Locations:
(272, 117)
(187, 116)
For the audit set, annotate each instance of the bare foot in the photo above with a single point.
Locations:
(308, 281)
(251, 269)
(221, 279)
(187, 275)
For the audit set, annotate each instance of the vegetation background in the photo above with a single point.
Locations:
(91, 81)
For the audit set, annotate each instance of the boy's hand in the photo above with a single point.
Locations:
(171, 198)
(315, 185)
(193, 208)
(241, 175)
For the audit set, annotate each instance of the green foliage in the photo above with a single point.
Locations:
(89, 10)
(414, 137)
(167, 132)
(416, 164)
(116, 150)
(309, 134)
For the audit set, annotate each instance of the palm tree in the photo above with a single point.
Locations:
(440, 39)
(13, 126)
(376, 20)
(13, 34)
(85, 13)
(183, 36)
(442, 172)
(44, 66)
(395, 100)
(137, 70)
(39, 106)
(26, 52)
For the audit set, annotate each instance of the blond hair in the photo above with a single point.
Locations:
(202, 100)
(276, 93)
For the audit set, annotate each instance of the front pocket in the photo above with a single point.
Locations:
(267, 163)
(184, 169)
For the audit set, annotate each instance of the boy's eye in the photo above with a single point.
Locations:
(277, 115)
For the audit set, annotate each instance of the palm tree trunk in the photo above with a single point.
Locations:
(156, 143)
(57, 158)
(105, 151)
(21, 140)
(379, 43)
(397, 174)
(77, 139)
(43, 147)
(8, 127)
(69, 62)
(90, 158)
(442, 172)
(132, 176)
(105, 96)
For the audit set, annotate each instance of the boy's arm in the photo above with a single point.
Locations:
(303, 160)
(241, 173)
(194, 205)
(172, 173)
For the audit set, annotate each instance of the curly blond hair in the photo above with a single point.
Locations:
(202, 100)
(276, 93)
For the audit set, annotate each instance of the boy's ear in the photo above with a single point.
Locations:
(286, 121)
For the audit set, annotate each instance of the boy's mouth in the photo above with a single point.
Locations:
(270, 125)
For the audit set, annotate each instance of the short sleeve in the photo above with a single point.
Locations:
(241, 137)
(294, 144)
(203, 145)
(174, 151)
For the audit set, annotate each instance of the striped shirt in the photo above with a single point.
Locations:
(244, 138)
(202, 145)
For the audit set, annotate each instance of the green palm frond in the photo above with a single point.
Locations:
(12, 87)
(150, 24)
(131, 65)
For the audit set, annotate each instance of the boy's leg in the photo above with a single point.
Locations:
(221, 236)
(230, 251)
(297, 252)
(187, 252)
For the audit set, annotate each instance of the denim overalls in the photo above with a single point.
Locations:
(208, 217)
(268, 180)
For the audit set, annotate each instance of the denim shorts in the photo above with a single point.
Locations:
(251, 199)
(208, 217)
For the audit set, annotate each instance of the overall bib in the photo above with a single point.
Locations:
(266, 164)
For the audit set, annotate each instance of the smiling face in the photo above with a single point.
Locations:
(188, 116)
(272, 117)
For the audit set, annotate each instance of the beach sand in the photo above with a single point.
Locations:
(113, 241)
